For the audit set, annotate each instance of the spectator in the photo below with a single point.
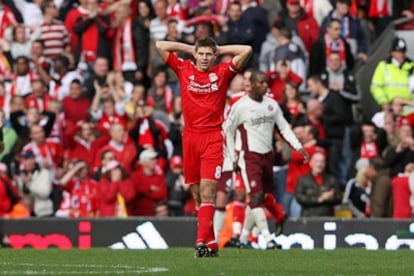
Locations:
(36, 183)
(280, 77)
(60, 81)
(39, 97)
(381, 193)
(105, 157)
(240, 30)
(382, 13)
(99, 73)
(48, 153)
(124, 51)
(75, 106)
(291, 102)
(93, 33)
(391, 76)
(351, 29)
(121, 88)
(317, 9)
(32, 116)
(8, 18)
(148, 132)
(121, 146)
(150, 185)
(313, 116)
(70, 20)
(115, 191)
(21, 83)
(367, 141)
(402, 193)
(82, 189)
(137, 98)
(318, 192)
(178, 191)
(6, 60)
(37, 57)
(11, 205)
(20, 44)
(53, 32)
(9, 135)
(288, 51)
(297, 168)
(257, 16)
(396, 158)
(358, 190)
(158, 31)
(141, 36)
(160, 93)
(108, 115)
(333, 120)
(297, 21)
(81, 142)
(332, 41)
(30, 12)
(270, 44)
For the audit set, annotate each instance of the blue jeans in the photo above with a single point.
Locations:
(279, 183)
(292, 207)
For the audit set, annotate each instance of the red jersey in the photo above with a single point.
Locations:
(298, 168)
(203, 94)
(401, 194)
(83, 201)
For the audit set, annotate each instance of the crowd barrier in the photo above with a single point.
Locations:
(150, 233)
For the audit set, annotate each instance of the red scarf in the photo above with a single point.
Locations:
(124, 56)
(7, 19)
(335, 46)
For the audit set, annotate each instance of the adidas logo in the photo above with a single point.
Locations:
(145, 237)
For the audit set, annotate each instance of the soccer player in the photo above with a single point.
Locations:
(203, 92)
(255, 116)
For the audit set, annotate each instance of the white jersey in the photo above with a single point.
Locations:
(255, 121)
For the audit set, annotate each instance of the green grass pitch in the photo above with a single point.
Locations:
(180, 261)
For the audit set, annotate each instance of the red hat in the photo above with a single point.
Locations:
(292, 1)
(176, 162)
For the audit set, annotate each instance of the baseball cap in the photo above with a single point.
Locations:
(146, 155)
(292, 1)
(176, 162)
(399, 44)
(28, 154)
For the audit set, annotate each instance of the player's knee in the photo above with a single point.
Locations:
(256, 200)
(208, 194)
(221, 200)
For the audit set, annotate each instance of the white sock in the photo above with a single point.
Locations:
(248, 224)
(237, 228)
(261, 223)
(218, 220)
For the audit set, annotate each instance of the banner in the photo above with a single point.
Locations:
(152, 233)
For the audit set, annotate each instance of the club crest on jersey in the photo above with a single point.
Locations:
(191, 77)
(270, 107)
(213, 77)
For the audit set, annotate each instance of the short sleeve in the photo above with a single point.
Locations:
(174, 62)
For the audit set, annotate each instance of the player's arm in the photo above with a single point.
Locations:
(288, 134)
(241, 53)
(165, 47)
(231, 124)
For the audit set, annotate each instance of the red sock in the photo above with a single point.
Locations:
(274, 208)
(205, 232)
(239, 211)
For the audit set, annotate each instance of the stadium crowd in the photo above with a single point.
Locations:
(91, 116)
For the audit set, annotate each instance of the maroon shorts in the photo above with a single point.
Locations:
(202, 156)
(257, 171)
(225, 182)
